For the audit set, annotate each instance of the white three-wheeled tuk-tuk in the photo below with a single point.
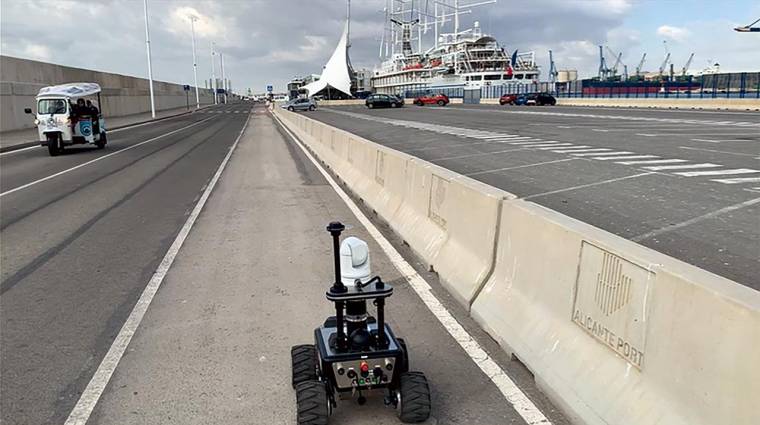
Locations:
(61, 122)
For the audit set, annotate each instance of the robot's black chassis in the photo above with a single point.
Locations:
(355, 353)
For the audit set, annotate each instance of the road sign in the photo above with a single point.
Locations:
(186, 87)
(270, 89)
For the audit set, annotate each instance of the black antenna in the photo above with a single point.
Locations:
(335, 228)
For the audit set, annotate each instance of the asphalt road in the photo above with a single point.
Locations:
(685, 183)
(82, 234)
(248, 283)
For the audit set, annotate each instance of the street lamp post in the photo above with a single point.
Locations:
(150, 68)
(224, 81)
(213, 73)
(194, 18)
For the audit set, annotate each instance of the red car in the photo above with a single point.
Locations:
(507, 99)
(432, 99)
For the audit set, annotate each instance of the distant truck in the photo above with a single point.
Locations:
(63, 120)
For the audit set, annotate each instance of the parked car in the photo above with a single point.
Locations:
(432, 99)
(300, 104)
(521, 99)
(541, 99)
(507, 99)
(384, 101)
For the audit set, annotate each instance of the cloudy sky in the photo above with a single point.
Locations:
(270, 41)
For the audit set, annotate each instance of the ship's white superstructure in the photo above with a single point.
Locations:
(457, 59)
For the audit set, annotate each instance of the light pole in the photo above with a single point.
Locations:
(224, 81)
(213, 73)
(194, 18)
(150, 68)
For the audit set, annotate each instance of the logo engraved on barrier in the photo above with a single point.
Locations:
(611, 301)
(380, 168)
(613, 288)
(438, 188)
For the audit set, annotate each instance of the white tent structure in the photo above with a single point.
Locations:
(336, 73)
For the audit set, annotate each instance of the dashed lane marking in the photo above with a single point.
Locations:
(595, 154)
(681, 166)
(718, 172)
(646, 134)
(627, 157)
(559, 150)
(740, 180)
(649, 162)
(569, 147)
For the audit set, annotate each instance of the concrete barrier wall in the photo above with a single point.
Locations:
(614, 332)
(670, 103)
(21, 80)
(421, 202)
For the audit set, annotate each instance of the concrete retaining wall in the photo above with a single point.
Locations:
(614, 332)
(21, 79)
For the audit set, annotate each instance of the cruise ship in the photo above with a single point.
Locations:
(462, 59)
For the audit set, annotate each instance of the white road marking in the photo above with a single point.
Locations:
(587, 185)
(682, 167)
(694, 220)
(739, 180)
(496, 170)
(511, 392)
(89, 398)
(569, 147)
(24, 186)
(652, 161)
(646, 134)
(533, 142)
(560, 150)
(472, 155)
(600, 130)
(718, 172)
(554, 145)
(600, 153)
(20, 150)
(615, 158)
(706, 140)
(717, 151)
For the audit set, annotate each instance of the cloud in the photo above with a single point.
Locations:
(38, 52)
(673, 33)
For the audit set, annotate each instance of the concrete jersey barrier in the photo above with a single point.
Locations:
(615, 333)
(421, 201)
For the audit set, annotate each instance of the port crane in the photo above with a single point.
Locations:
(614, 69)
(665, 62)
(552, 69)
(685, 68)
(640, 65)
(749, 28)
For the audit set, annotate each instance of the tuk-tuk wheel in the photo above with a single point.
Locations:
(54, 148)
(101, 143)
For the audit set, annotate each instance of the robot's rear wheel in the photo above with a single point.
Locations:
(414, 398)
(311, 399)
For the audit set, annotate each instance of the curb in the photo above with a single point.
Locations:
(23, 145)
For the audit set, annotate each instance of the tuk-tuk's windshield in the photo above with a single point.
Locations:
(51, 106)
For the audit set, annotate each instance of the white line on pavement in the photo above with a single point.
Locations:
(717, 151)
(569, 147)
(652, 161)
(496, 170)
(83, 409)
(718, 172)
(24, 186)
(682, 167)
(706, 140)
(716, 213)
(565, 150)
(600, 153)
(19, 150)
(739, 180)
(646, 134)
(587, 185)
(613, 158)
(511, 392)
